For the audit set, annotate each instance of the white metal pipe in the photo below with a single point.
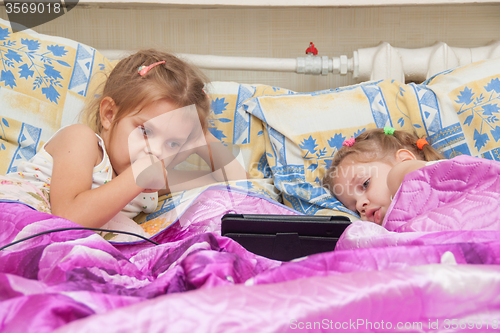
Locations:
(224, 62)
(381, 62)
(241, 63)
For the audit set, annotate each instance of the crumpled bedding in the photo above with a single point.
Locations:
(418, 278)
(457, 194)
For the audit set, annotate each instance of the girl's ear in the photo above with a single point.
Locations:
(404, 155)
(107, 112)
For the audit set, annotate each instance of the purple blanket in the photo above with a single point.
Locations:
(430, 279)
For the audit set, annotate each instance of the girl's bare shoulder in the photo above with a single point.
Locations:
(72, 139)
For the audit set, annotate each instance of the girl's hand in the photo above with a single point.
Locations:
(150, 173)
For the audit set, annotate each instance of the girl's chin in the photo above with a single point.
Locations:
(378, 217)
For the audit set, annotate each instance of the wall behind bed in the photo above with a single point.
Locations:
(280, 32)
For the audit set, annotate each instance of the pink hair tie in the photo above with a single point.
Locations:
(349, 142)
(205, 93)
(143, 70)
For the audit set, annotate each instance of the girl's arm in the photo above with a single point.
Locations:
(75, 152)
(399, 171)
(224, 164)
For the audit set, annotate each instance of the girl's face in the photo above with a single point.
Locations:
(362, 187)
(161, 129)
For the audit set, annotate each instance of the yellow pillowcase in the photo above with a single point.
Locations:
(43, 85)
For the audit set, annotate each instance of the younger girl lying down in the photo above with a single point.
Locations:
(400, 182)
(367, 171)
(394, 180)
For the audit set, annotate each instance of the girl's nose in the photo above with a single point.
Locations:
(155, 147)
(361, 205)
(159, 148)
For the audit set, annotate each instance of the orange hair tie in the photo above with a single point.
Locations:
(421, 143)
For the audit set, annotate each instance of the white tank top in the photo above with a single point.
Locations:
(38, 171)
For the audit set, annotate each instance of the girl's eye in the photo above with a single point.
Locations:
(146, 131)
(173, 144)
(366, 183)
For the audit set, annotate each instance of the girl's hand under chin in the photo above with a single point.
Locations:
(149, 173)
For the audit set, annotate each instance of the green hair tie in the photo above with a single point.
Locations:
(389, 130)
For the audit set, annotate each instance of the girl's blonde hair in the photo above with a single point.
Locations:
(175, 80)
(374, 145)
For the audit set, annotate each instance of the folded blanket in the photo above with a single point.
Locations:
(462, 193)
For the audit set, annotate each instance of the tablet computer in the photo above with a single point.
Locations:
(284, 237)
